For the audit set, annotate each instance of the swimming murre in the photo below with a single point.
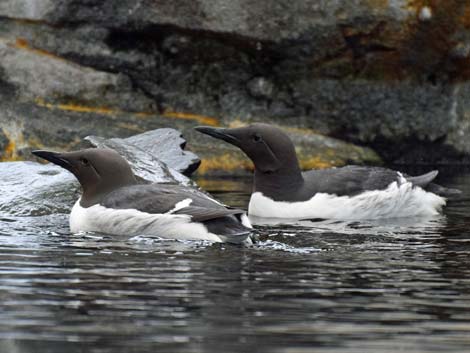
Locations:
(282, 190)
(113, 202)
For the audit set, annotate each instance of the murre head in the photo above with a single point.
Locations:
(270, 149)
(98, 170)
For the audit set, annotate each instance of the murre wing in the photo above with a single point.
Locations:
(353, 180)
(179, 200)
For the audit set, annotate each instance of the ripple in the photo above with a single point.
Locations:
(278, 246)
(328, 286)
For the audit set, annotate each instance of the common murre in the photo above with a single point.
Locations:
(113, 202)
(282, 190)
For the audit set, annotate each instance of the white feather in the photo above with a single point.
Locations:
(132, 222)
(180, 205)
(399, 199)
(245, 221)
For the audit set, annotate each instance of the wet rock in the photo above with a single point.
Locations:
(144, 165)
(168, 146)
(33, 189)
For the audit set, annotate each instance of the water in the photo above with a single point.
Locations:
(322, 286)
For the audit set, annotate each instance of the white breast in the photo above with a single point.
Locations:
(132, 222)
(400, 199)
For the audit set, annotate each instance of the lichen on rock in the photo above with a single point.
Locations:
(390, 75)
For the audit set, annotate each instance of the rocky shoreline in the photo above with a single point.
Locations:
(388, 78)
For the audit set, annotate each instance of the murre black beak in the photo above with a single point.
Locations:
(54, 157)
(219, 133)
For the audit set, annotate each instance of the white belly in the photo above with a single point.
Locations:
(398, 200)
(132, 222)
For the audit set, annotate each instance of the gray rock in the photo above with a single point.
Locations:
(36, 126)
(260, 87)
(144, 165)
(33, 189)
(168, 146)
(391, 75)
(3, 141)
(380, 109)
(51, 80)
(30, 9)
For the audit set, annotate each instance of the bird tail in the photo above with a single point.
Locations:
(425, 181)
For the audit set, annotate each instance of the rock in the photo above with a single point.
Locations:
(425, 13)
(30, 9)
(145, 165)
(28, 125)
(4, 142)
(168, 146)
(316, 151)
(260, 87)
(391, 75)
(53, 80)
(33, 189)
(425, 112)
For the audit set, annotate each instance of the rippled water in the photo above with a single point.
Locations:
(324, 286)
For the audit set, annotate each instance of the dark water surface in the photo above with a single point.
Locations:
(384, 286)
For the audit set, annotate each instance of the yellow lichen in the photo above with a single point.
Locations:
(113, 112)
(15, 139)
(206, 120)
(228, 162)
(316, 162)
(377, 3)
(76, 108)
(23, 44)
(225, 162)
(131, 127)
(9, 154)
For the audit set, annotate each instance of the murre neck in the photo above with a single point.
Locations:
(287, 179)
(94, 193)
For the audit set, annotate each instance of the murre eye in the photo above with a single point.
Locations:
(256, 138)
(85, 161)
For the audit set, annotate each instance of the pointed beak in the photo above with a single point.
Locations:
(54, 157)
(219, 133)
